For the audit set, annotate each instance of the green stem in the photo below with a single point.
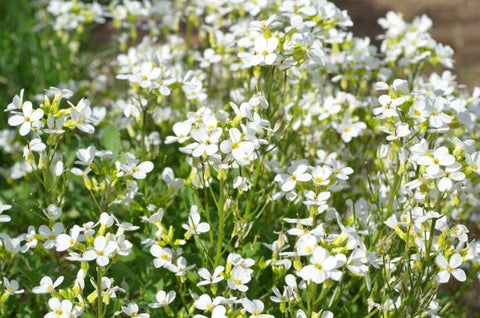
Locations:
(46, 177)
(313, 292)
(99, 293)
(144, 132)
(221, 224)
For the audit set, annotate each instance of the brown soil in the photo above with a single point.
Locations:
(455, 22)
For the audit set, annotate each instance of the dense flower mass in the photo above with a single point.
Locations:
(241, 159)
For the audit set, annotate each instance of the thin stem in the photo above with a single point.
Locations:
(144, 132)
(99, 292)
(221, 223)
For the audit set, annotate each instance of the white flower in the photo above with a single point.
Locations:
(340, 172)
(65, 241)
(53, 212)
(210, 278)
(169, 177)
(194, 226)
(440, 157)
(263, 52)
(281, 297)
(50, 235)
(163, 255)
(450, 267)
(319, 200)
(418, 111)
(133, 168)
(181, 131)
(209, 57)
(323, 266)
(132, 311)
(85, 156)
(204, 302)
(163, 299)
(17, 102)
(34, 145)
(242, 183)
(4, 207)
(206, 142)
(306, 244)
(11, 287)
(102, 250)
(473, 161)
(55, 125)
(82, 116)
(255, 307)
(146, 75)
(132, 108)
(348, 129)
(181, 268)
(47, 285)
(240, 277)
(217, 312)
(388, 106)
(253, 7)
(59, 309)
(401, 130)
(241, 150)
(27, 120)
(264, 49)
(295, 173)
(321, 175)
(451, 173)
(437, 117)
(356, 262)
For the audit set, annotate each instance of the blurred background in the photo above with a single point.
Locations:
(455, 22)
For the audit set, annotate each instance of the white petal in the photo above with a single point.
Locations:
(16, 120)
(145, 166)
(441, 261)
(102, 260)
(455, 260)
(140, 175)
(443, 277)
(288, 185)
(25, 129)
(444, 184)
(459, 274)
(37, 114)
(270, 58)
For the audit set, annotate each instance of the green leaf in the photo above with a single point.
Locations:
(111, 139)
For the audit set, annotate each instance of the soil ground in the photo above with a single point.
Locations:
(455, 22)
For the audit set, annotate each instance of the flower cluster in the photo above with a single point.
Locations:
(241, 159)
